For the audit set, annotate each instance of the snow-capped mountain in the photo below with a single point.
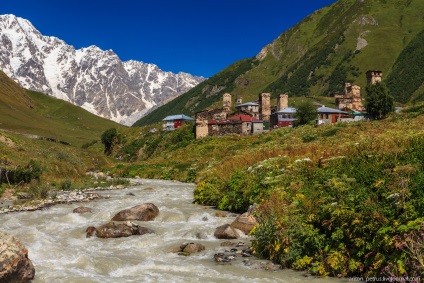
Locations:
(94, 79)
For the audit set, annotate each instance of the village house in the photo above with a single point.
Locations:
(251, 108)
(284, 117)
(244, 121)
(174, 122)
(328, 115)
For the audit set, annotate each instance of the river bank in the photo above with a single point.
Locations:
(60, 251)
(11, 203)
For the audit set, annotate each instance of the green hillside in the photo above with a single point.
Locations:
(64, 140)
(30, 112)
(336, 44)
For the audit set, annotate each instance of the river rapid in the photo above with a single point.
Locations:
(58, 247)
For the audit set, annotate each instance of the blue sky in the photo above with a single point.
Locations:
(197, 37)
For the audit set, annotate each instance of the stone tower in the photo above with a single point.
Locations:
(226, 102)
(265, 106)
(356, 98)
(202, 124)
(374, 77)
(282, 101)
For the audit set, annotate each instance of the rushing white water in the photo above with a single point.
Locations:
(60, 251)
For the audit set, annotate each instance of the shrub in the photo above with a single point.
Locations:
(107, 139)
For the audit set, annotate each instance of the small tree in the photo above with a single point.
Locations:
(378, 101)
(306, 112)
(107, 139)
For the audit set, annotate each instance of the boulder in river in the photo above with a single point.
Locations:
(226, 232)
(188, 248)
(192, 248)
(142, 212)
(245, 222)
(82, 209)
(15, 264)
(112, 230)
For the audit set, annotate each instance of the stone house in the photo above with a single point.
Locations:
(249, 124)
(351, 98)
(251, 108)
(328, 115)
(246, 120)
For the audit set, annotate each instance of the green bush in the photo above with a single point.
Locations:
(108, 138)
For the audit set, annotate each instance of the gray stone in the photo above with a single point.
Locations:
(245, 222)
(226, 232)
(112, 230)
(142, 212)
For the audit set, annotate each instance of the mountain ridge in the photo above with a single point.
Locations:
(334, 45)
(89, 77)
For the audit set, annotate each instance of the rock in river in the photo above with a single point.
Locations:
(112, 230)
(82, 209)
(142, 212)
(226, 232)
(15, 266)
(244, 222)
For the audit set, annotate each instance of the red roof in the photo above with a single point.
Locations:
(243, 118)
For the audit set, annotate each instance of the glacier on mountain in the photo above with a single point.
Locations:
(89, 77)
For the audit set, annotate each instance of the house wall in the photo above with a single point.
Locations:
(281, 124)
(252, 110)
(213, 130)
(246, 128)
(177, 123)
(257, 128)
(229, 128)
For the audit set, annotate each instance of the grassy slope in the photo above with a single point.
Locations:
(28, 112)
(47, 116)
(315, 56)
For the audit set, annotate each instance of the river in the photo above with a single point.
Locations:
(60, 251)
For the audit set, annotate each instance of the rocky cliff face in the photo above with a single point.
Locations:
(94, 79)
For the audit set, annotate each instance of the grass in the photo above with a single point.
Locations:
(30, 112)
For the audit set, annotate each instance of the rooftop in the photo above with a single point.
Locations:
(177, 117)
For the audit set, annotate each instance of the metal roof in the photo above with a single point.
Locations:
(248, 104)
(323, 110)
(177, 117)
(288, 110)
